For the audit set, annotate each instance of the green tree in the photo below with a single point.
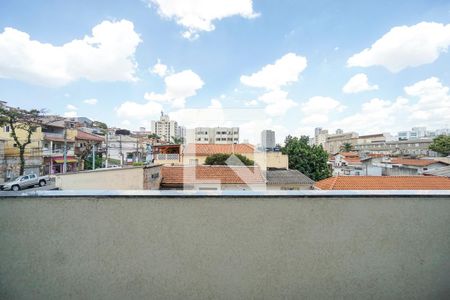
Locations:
(310, 160)
(177, 140)
(441, 144)
(228, 159)
(88, 162)
(21, 120)
(101, 125)
(346, 147)
(154, 136)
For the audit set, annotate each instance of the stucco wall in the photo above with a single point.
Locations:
(225, 248)
(110, 179)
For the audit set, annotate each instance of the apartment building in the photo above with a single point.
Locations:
(165, 128)
(268, 139)
(419, 147)
(57, 135)
(421, 132)
(335, 141)
(217, 135)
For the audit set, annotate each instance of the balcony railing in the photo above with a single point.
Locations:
(171, 156)
(54, 135)
(56, 152)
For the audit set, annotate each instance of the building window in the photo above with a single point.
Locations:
(6, 129)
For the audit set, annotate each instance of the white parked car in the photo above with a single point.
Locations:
(25, 181)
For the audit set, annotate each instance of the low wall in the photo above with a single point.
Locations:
(113, 179)
(304, 245)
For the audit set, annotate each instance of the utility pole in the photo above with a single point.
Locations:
(120, 150)
(107, 146)
(93, 157)
(65, 148)
(137, 149)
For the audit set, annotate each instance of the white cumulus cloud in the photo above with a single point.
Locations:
(433, 105)
(215, 104)
(198, 15)
(71, 107)
(90, 101)
(160, 69)
(251, 103)
(358, 83)
(70, 114)
(377, 115)
(277, 102)
(134, 110)
(405, 46)
(179, 86)
(273, 76)
(106, 55)
(317, 109)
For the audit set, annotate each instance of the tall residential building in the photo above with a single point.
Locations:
(420, 133)
(165, 128)
(217, 135)
(333, 142)
(268, 139)
(320, 136)
(182, 132)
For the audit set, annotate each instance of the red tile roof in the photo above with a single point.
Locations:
(413, 162)
(81, 135)
(177, 175)
(384, 183)
(349, 154)
(352, 160)
(209, 149)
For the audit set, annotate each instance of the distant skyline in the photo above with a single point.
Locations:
(290, 66)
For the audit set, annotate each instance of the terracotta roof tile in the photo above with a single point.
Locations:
(206, 174)
(352, 160)
(384, 183)
(209, 149)
(81, 135)
(349, 154)
(413, 162)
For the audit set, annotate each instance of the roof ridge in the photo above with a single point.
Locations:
(334, 182)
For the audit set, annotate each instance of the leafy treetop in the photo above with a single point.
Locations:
(441, 144)
(310, 160)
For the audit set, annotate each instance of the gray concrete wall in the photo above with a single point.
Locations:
(225, 248)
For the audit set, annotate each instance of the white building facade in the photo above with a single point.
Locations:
(217, 135)
(165, 128)
(268, 139)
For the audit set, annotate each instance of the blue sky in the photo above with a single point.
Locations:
(209, 50)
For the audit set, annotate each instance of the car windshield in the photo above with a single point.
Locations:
(15, 179)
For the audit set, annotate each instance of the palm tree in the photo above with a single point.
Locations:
(177, 140)
(154, 136)
(346, 147)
